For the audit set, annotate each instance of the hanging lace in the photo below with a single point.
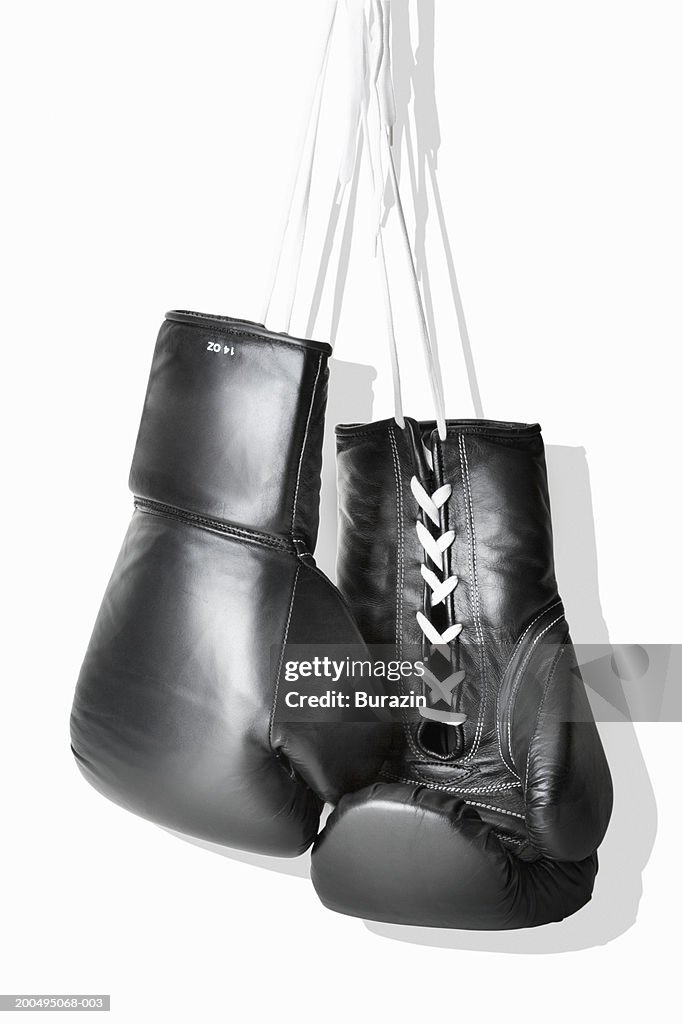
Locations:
(371, 111)
(440, 585)
(365, 26)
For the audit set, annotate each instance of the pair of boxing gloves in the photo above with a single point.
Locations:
(486, 810)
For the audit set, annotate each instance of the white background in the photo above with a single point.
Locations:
(148, 154)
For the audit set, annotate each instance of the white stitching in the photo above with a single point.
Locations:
(401, 553)
(503, 787)
(553, 669)
(281, 658)
(400, 580)
(508, 839)
(471, 542)
(498, 722)
(305, 441)
(471, 803)
(517, 684)
(504, 759)
(498, 810)
(529, 627)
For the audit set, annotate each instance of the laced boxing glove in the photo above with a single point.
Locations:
(173, 712)
(490, 808)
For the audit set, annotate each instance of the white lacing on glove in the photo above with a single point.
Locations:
(440, 587)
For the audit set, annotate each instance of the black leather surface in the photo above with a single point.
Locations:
(494, 824)
(173, 712)
(221, 433)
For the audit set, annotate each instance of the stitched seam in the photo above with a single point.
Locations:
(281, 661)
(446, 524)
(471, 803)
(305, 441)
(439, 479)
(517, 684)
(213, 525)
(553, 669)
(400, 566)
(400, 580)
(451, 611)
(452, 789)
(498, 810)
(529, 627)
(471, 541)
(509, 839)
(498, 721)
(400, 609)
(504, 759)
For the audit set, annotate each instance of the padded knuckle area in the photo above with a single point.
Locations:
(417, 857)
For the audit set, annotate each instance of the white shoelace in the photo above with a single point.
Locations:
(371, 110)
(378, 47)
(435, 547)
(306, 164)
